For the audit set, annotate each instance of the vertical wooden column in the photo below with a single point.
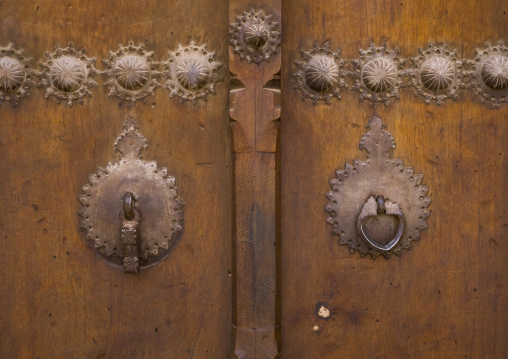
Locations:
(255, 113)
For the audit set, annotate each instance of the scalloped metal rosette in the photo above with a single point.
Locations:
(156, 201)
(437, 74)
(68, 75)
(378, 74)
(15, 75)
(490, 74)
(320, 74)
(191, 72)
(254, 36)
(379, 175)
(132, 74)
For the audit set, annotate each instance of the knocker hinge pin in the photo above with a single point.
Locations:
(381, 209)
(127, 206)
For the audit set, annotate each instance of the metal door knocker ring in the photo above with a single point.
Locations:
(375, 206)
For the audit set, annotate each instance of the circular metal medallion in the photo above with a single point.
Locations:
(15, 75)
(378, 74)
(320, 74)
(437, 74)
(254, 36)
(490, 72)
(191, 72)
(68, 75)
(132, 73)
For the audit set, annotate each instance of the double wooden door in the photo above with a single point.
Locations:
(255, 270)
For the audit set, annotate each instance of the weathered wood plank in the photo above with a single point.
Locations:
(254, 130)
(443, 298)
(58, 299)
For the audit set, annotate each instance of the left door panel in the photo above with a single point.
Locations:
(58, 298)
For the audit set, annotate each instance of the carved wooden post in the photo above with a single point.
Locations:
(255, 114)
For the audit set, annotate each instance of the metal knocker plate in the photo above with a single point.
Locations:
(377, 206)
(131, 210)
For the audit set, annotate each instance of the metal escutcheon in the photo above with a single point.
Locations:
(131, 211)
(377, 205)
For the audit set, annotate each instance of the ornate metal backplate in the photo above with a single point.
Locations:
(68, 75)
(320, 74)
(154, 198)
(377, 206)
(254, 36)
(132, 73)
(490, 73)
(191, 72)
(15, 75)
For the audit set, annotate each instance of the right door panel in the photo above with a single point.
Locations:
(447, 296)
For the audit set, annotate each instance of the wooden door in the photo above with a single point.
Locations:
(256, 271)
(446, 296)
(59, 299)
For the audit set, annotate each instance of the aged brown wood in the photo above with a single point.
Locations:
(58, 299)
(255, 112)
(445, 298)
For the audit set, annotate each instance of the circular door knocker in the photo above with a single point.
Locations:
(131, 211)
(377, 206)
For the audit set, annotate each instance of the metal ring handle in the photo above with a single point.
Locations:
(373, 207)
(135, 216)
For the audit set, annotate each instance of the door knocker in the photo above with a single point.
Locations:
(131, 210)
(377, 206)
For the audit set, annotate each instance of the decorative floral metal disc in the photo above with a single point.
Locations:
(378, 74)
(490, 71)
(355, 190)
(437, 74)
(254, 36)
(156, 201)
(15, 75)
(132, 73)
(191, 72)
(68, 75)
(320, 74)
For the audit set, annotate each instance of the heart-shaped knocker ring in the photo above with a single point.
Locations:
(368, 197)
(378, 206)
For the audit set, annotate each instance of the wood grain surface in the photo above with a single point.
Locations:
(256, 254)
(446, 297)
(58, 298)
(255, 114)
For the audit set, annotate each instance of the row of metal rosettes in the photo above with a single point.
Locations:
(436, 74)
(190, 73)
